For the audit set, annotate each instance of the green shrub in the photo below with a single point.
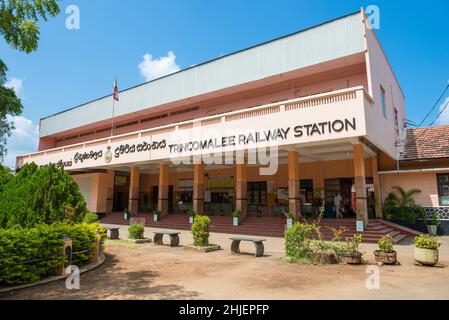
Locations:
(427, 242)
(90, 217)
(136, 231)
(28, 254)
(200, 231)
(236, 213)
(352, 244)
(386, 244)
(5, 176)
(410, 214)
(434, 220)
(298, 240)
(40, 196)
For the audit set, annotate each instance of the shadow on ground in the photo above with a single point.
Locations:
(109, 281)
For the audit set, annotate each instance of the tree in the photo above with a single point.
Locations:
(5, 176)
(402, 198)
(41, 196)
(10, 105)
(19, 25)
(19, 21)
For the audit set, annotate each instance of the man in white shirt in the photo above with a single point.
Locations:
(337, 203)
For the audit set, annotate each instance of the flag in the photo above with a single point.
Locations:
(115, 91)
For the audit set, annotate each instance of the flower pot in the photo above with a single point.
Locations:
(351, 258)
(432, 229)
(328, 257)
(156, 217)
(289, 223)
(191, 219)
(427, 257)
(386, 258)
(126, 216)
(236, 221)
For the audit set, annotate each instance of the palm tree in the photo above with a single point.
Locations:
(402, 198)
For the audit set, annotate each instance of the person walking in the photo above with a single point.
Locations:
(337, 203)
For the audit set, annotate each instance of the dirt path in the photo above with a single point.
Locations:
(151, 272)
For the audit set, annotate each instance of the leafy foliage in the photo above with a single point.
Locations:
(5, 176)
(236, 213)
(41, 196)
(90, 217)
(10, 105)
(19, 21)
(386, 244)
(298, 240)
(352, 244)
(136, 231)
(200, 231)
(434, 220)
(401, 205)
(427, 242)
(28, 254)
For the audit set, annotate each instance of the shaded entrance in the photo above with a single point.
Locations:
(121, 191)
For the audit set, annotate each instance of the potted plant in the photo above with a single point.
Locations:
(426, 250)
(350, 251)
(192, 215)
(236, 217)
(432, 224)
(126, 214)
(386, 254)
(289, 218)
(156, 215)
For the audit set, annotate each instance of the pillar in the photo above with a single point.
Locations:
(163, 189)
(241, 191)
(293, 184)
(198, 188)
(133, 202)
(378, 204)
(110, 191)
(360, 184)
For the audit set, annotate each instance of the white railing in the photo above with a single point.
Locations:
(283, 106)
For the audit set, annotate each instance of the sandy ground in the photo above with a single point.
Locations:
(154, 272)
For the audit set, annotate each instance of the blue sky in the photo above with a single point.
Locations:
(74, 66)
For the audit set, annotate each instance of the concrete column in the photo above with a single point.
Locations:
(163, 189)
(378, 204)
(293, 184)
(360, 184)
(241, 182)
(133, 202)
(198, 188)
(110, 183)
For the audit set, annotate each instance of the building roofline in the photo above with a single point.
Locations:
(208, 61)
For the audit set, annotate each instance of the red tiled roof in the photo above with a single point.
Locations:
(427, 143)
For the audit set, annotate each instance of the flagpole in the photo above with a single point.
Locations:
(113, 107)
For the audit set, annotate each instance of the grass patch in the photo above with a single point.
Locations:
(122, 243)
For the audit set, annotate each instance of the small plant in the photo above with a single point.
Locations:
(136, 231)
(352, 244)
(386, 244)
(90, 217)
(192, 213)
(157, 215)
(126, 214)
(427, 242)
(287, 214)
(434, 220)
(200, 231)
(298, 242)
(236, 213)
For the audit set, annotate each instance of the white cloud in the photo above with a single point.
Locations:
(17, 85)
(153, 68)
(444, 118)
(24, 139)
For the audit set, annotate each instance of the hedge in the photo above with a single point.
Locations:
(28, 254)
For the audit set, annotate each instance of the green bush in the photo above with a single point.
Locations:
(298, 241)
(5, 176)
(28, 254)
(200, 231)
(136, 231)
(386, 244)
(236, 213)
(410, 214)
(90, 217)
(352, 244)
(427, 242)
(40, 196)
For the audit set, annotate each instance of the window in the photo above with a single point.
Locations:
(443, 189)
(383, 101)
(396, 121)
